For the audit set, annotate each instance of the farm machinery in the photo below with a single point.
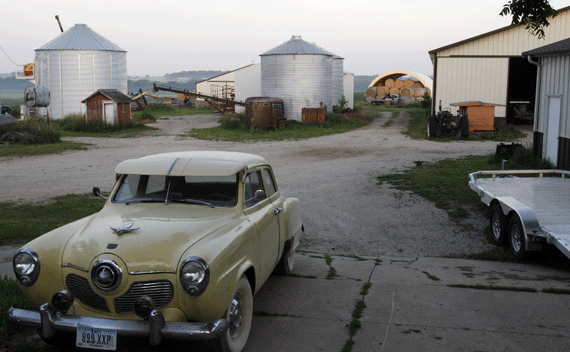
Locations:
(444, 123)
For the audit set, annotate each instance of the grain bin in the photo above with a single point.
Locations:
(300, 73)
(74, 65)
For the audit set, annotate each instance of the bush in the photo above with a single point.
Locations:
(144, 116)
(159, 108)
(233, 122)
(40, 132)
(78, 123)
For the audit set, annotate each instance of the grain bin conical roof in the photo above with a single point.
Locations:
(296, 46)
(80, 37)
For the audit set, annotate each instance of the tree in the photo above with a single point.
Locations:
(534, 13)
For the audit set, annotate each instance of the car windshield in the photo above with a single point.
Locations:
(215, 191)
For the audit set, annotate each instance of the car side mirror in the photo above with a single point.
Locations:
(97, 192)
(259, 194)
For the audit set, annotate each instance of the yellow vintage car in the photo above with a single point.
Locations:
(179, 249)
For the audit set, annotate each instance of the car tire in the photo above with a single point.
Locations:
(498, 222)
(432, 127)
(239, 316)
(517, 238)
(286, 263)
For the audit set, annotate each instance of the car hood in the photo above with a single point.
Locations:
(159, 236)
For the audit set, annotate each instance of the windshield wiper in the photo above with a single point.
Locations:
(192, 201)
(145, 200)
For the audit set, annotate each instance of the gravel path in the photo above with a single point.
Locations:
(345, 211)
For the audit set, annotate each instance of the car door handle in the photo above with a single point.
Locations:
(277, 210)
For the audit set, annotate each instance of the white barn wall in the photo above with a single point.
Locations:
(479, 79)
(205, 87)
(248, 84)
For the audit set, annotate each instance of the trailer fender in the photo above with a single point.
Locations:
(528, 217)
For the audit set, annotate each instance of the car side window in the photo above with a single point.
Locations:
(253, 185)
(271, 189)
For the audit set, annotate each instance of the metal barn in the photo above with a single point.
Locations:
(552, 112)
(490, 67)
(76, 64)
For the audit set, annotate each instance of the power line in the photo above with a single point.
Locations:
(9, 56)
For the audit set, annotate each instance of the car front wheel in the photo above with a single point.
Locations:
(239, 316)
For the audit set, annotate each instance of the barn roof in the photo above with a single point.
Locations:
(80, 37)
(559, 47)
(468, 40)
(112, 94)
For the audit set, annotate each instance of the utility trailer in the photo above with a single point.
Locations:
(527, 208)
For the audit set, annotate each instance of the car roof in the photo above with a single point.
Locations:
(191, 163)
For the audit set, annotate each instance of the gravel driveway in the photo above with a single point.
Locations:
(345, 211)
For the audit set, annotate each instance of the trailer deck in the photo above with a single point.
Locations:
(544, 199)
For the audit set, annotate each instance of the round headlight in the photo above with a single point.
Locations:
(26, 264)
(194, 276)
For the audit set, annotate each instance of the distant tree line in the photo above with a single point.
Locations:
(193, 75)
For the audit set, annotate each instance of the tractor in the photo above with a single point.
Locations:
(446, 124)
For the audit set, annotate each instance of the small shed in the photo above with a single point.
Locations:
(109, 105)
(481, 115)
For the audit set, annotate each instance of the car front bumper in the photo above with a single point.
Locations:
(49, 321)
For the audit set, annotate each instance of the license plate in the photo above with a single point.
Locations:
(101, 339)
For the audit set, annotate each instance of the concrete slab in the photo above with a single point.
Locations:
(295, 334)
(411, 307)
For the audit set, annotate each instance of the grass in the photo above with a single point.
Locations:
(10, 295)
(21, 223)
(22, 150)
(234, 129)
(444, 183)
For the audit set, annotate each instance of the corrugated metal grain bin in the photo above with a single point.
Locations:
(300, 73)
(77, 63)
(264, 112)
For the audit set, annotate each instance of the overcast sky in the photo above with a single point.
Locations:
(373, 36)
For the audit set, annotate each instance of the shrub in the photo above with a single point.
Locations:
(144, 116)
(160, 107)
(40, 132)
(78, 123)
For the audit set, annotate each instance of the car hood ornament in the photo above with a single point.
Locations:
(127, 228)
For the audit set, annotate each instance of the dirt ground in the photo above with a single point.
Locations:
(345, 211)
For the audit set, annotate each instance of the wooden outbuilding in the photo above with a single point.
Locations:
(109, 105)
(481, 115)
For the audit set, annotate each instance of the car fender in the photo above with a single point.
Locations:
(50, 247)
(293, 222)
(229, 252)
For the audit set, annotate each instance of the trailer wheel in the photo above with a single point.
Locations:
(432, 127)
(498, 223)
(516, 235)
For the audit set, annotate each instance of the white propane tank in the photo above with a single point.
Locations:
(38, 97)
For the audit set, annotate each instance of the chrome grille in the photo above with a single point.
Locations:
(83, 292)
(161, 291)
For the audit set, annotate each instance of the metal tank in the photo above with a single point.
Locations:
(74, 65)
(300, 73)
